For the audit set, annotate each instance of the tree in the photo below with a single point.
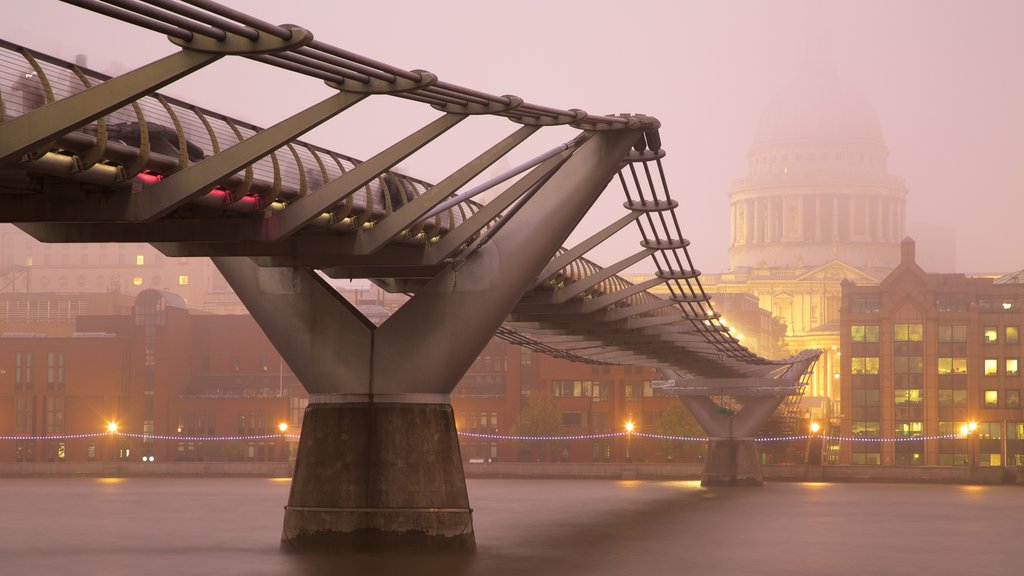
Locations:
(676, 420)
(539, 417)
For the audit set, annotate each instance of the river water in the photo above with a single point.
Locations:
(220, 526)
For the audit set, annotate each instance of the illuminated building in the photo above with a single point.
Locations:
(817, 207)
(75, 364)
(924, 354)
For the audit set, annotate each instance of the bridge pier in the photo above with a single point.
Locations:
(732, 453)
(379, 475)
(732, 462)
(378, 466)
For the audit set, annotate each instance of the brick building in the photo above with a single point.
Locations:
(923, 354)
(158, 370)
(71, 364)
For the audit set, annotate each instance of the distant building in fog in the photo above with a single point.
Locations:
(818, 206)
(27, 265)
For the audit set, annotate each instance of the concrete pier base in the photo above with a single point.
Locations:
(732, 462)
(378, 476)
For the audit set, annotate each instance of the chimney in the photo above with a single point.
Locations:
(907, 249)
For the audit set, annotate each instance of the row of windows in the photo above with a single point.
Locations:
(950, 333)
(915, 365)
(943, 303)
(23, 380)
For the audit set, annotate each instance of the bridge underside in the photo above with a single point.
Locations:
(89, 158)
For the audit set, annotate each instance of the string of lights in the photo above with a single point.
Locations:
(488, 437)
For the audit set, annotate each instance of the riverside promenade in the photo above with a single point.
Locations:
(986, 475)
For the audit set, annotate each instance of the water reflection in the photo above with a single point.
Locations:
(219, 526)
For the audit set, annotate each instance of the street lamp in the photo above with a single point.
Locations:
(112, 428)
(283, 427)
(629, 435)
(966, 432)
(815, 445)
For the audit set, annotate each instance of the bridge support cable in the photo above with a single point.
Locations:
(360, 482)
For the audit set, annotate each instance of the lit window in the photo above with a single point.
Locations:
(28, 260)
(991, 367)
(183, 280)
(959, 365)
(945, 365)
(864, 333)
(908, 332)
(137, 280)
(1012, 335)
(1008, 304)
(140, 260)
(991, 335)
(1011, 367)
(991, 398)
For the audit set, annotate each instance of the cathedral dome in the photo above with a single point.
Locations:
(819, 107)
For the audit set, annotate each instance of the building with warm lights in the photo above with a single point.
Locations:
(925, 354)
(158, 370)
(73, 364)
(512, 390)
(817, 207)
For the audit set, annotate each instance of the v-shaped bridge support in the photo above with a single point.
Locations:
(378, 464)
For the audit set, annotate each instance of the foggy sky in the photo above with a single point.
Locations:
(944, 78)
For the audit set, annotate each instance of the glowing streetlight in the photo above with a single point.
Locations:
(972, 425)
(283, 427)
(815, 427)
(112, 427)
(629, 436)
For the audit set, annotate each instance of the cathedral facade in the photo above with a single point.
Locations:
(816, 207)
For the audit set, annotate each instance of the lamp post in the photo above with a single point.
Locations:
(814, 444)
(629, 436)
(112, 430)
(966, 431)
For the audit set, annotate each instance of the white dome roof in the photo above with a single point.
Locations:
(820, 107)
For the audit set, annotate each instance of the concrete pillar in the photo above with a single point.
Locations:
(732, 452)
(732, 462)
(378, 476)
(378, 466)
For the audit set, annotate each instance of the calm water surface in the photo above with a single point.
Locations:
(163, 527)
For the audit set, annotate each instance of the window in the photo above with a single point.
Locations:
(23, 371)
(1011, 367)
(573, 419)
(951, 303)
(991, 367)
(1013, 398)
(140, 260)
(1012, 335)
(1007, 304)
(948, 397)
(909, 396)
(954, 333)
(908, 364)
(866, 429)
(865, 365)
(952, 365)
(183, 280)
(864, 305)
(864, 333)
(991, 398)
(910, 428)
(908, 332)
(991, 335)
(137, 281)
